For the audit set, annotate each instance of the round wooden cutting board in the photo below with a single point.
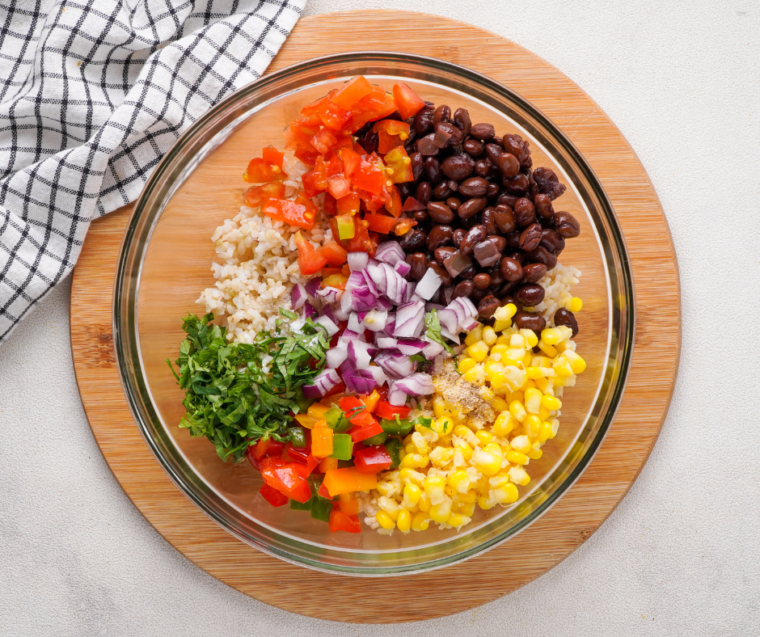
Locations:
(582, 509)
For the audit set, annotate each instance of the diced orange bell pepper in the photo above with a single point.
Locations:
(260, 171)
(328, 464)
(370, 402)
(317, 411)
(349, 504)
(273, 156)
(256, 195)
(309, 260)
(352, 92)
(293, 213)
(321, 442)
(348, 480)
(381, 223)
(349, 204)
(399, 161)
(305, 420)
(407, 101)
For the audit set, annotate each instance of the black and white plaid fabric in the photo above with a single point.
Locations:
(92, 94)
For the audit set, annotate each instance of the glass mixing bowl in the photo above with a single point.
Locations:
(165, 263)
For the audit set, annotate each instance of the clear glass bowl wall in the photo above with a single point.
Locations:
(166, 260)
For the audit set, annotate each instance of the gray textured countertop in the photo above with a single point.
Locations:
(677, 557)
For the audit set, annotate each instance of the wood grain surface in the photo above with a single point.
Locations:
(581, 510)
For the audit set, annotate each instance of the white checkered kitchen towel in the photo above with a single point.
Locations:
(92, 95)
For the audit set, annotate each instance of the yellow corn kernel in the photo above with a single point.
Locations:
(485, 502)
(385, 520)
(534, 454)
(541, 361)
(466, 508)
(518, 475)
(467, 364)
(384, 488)
(517, 410)
(457, 520)
(414, 461)
(528, 384)
(487, 463)
(475, 375)
(420, 522)
(487, 394)
(530, 337)
(484, 436)
(503, 424)
(515, 457)
(489, 335)
(420, 444)
(434, 488)
(441, 456)
(499, 348)
(517, 340)
(439, 406)
(534, 373)
(410, 448)
(412, 495)
(404, 521)
(532, 426)
(459, 481)
(506, 494)
(551, 403)
(465, 450)
(545, 433)
(505, 312)
(550, 336)
(577, 363)
(532, 400)
(471, 496)
(440, 512)
(424, 502)
(474, 336)
(545, 384)
(411, 476)
(520, 444)
(574, 304)
(499, 326)
(443, 425)
(562, 366)
(498, 380)
(544, 413)
(547, 349)
(499, 404)
(478, 351)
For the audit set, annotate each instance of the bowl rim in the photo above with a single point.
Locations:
(124, 339)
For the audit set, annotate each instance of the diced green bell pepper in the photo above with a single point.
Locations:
(321, 508)
(336, 420)
(396, 427)
(343, 447)
(298, 437)
(393, 447)
(376, 440)
(301, 506)
(302, 403)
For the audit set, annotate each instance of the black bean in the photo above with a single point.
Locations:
(478, 294)
(525, 212)
(423, 121)
(567, 318)
(468, 273)
(473, 147)
(453, 203)
(463, 288)
(544, 206)
(455, 134)
(530, 294)
(426, 147)
(513, 239)
(473, 187)
(508, 164)
(459, 234)
(515, 145)
(519, 256)
(533, 272)
(552, 241)
(488, 219)
(482, 166)
(413, 241)
(418, 165)
(493, 191)
(463, 121)
(441, 272)
(441, 191)
(516, 185)
(505, 218)
(506, 199)
(482, 281)
(441, 114)
(488, 305)
(529, 321)
(482, 131)
(424, 192)
(418, 263)
(511, 269)
(458, 167)
(439, 236)
(471, 207)
(566, 225)
(404, 190)
(433, 169)
(530, 238)
(493, 152)
(499, 242)
(474, 236)
(548, 183)
(420, 216)
(453, 185)
(542, 255)
(440, 212)
(443, 253)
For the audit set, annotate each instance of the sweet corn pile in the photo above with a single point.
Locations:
(457, 464)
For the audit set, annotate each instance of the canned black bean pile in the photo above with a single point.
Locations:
(485, 218)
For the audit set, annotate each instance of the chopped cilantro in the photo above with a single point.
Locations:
(434, 330)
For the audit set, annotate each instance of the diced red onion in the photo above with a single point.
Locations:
(354, 324)
(325, 322)
(429, 307)
(394, 364)
(336, 355)
(432, 350)
(448, 318)
(363, 299)
(390, 252)
(409, 291)
(327, 311)
(386, 342)
(428, 285)
(411, 346)
(384, 304)
(358, 354)
(410, 318)
(346, 303)
(326, 380)
(309, 310)
(448, 292)
(357, 261)
(396, 397)
(467, 306)
(441, 138)
(438, 364)
(452, 336)
(312, 286)
(426, 145)
(403, 268)
(370, 283)
(470, 325)
(456, 264)
(378, 374)
(350, 335)
(359, 383)
(330, 294)
(486, 253)
(391, 284)
(375, 320)
(298, 296)
(355, 280)
(415, 385)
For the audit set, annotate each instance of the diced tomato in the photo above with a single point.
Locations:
(293, 213)
(407, 101)
(273, 156)
(289, 478)
(349, 205)
(311, 185)
(381, 223)
(369, 178)
(306, 155)
(393, 205)
(362, 433)
(340, 521)
(412, 205)
(352, 92)
(309, 260)
(330, 205)
(256, 195)
(385, 410)
(273, 496)
(338, 186)
(260, 171)
(372, 459)
(324, 492)
(362, 241)
(351, 160)
(391, 134)
(335, 255)
(401, 163)
(334, 165)
(373, 106)
(330, 114)
(323, 141)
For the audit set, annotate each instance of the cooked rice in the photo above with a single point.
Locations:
(557, 283)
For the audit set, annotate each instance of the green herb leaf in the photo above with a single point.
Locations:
(290, 314)
(434, 330)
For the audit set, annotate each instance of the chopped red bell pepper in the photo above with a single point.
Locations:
(385, 410)
(261, 171)
(407, 101)
(362, 433)
(338, 389)
(257, 195)
(273, 496)
(323, 491)
(296, 454)
(264, 448)
(289, 478)
(372, 459)
(293, 213)
(356, 411)
(340, 521)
